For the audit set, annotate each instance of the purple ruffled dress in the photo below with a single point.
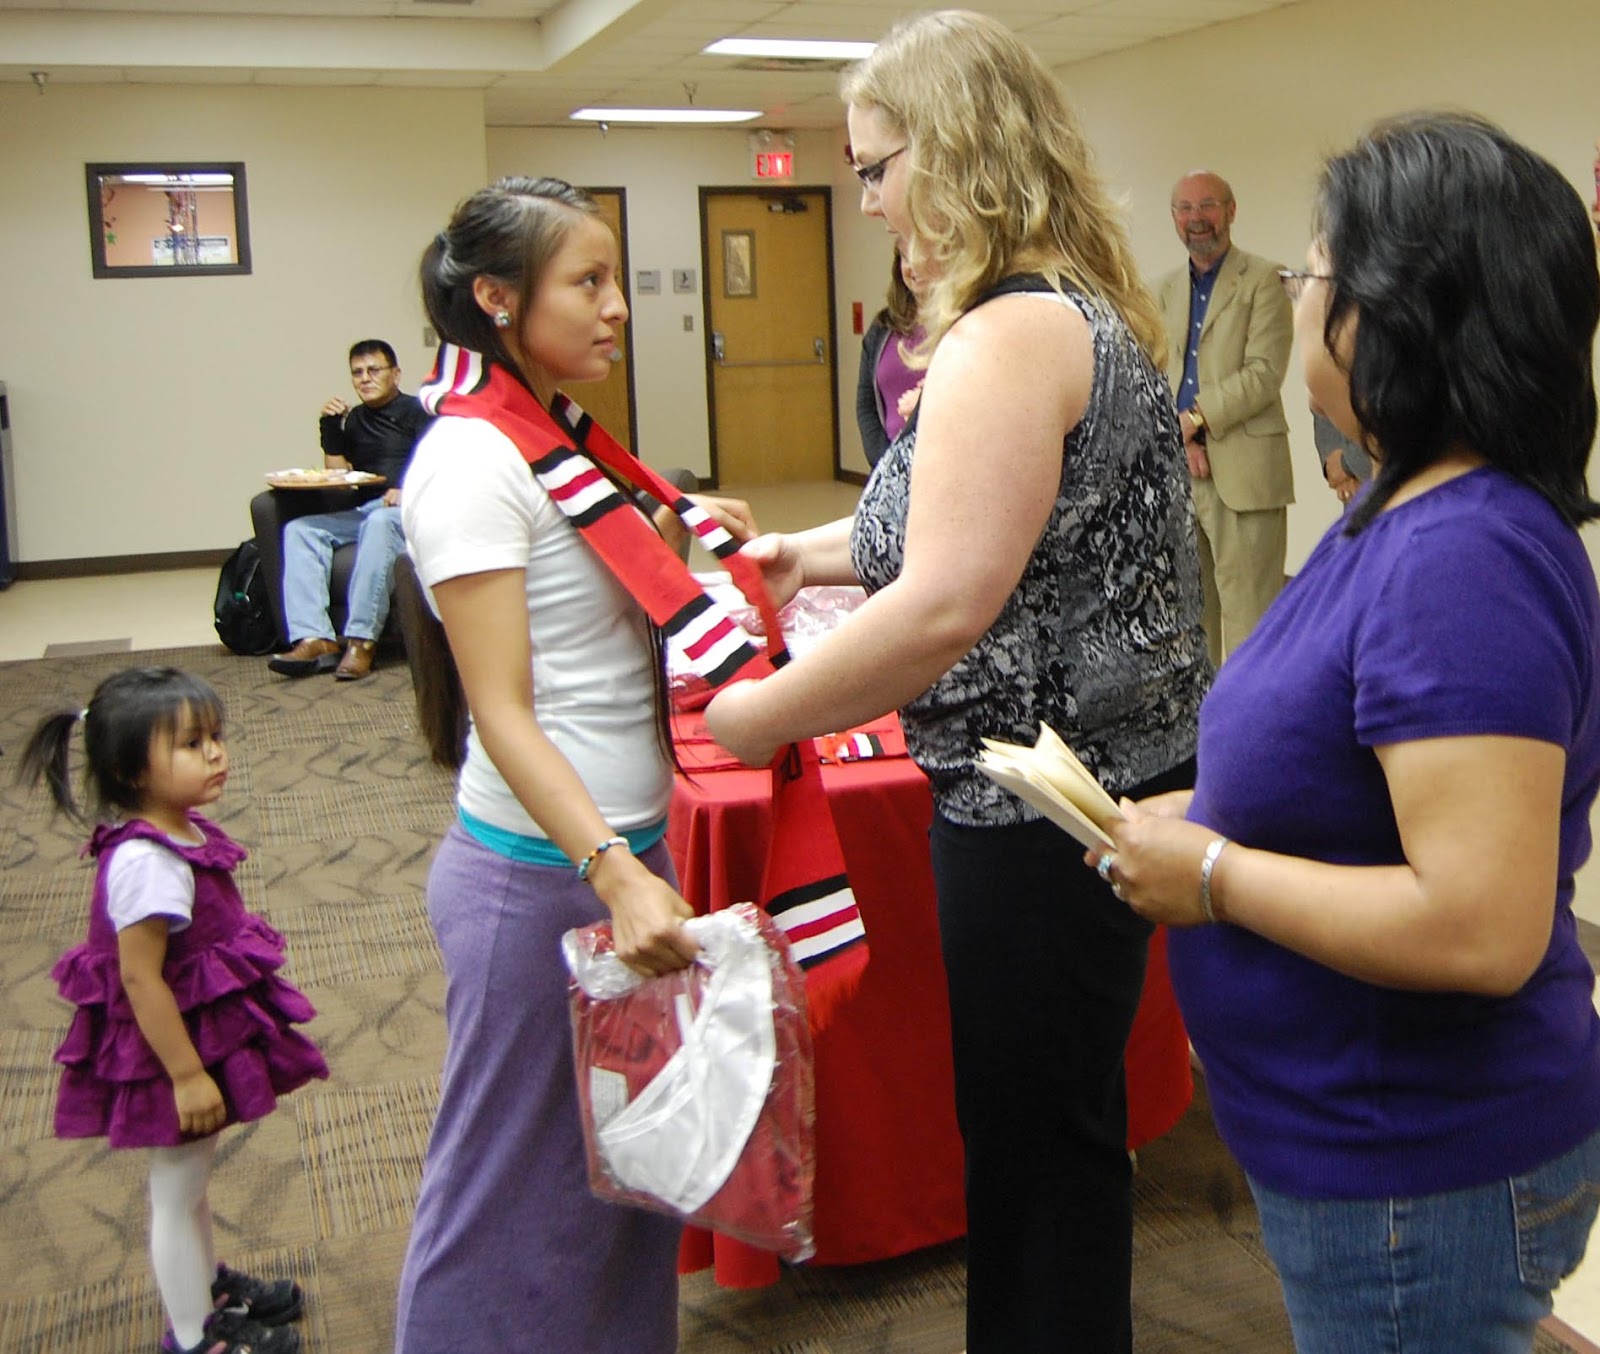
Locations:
(223, 970)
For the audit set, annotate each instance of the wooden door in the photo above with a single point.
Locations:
(770, 349)
(610, 402)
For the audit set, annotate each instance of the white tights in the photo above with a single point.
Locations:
(181, 1249)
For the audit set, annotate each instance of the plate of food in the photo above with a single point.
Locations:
(321, 479)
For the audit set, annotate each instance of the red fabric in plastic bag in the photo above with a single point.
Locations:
(766, 1200)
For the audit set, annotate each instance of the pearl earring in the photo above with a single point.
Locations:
(502, 319)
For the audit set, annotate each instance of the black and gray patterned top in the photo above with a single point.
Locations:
(1102, 638)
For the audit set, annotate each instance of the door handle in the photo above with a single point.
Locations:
(719, 355)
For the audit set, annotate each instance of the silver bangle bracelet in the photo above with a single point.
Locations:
(1206, 867)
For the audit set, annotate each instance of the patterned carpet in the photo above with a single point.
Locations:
(333, 796)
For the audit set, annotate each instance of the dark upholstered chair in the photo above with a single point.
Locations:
(274, 509)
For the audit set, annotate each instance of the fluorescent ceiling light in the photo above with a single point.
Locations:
(664, 114)
(812, 49)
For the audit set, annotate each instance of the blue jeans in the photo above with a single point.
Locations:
(308, 546)
(1469, 1271)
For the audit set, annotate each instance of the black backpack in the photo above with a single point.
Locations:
(243, 612)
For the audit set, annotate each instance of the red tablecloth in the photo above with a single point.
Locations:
(889, 1160)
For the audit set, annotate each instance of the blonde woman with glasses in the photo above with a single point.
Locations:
(1028, 543)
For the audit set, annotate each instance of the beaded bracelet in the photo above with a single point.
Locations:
(588, 862)
(1206, 867)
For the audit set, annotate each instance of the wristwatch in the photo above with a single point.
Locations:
(1198, 418)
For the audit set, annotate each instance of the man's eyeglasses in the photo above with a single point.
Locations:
(357, 373)
(872, 175)
(1294, 281)
(1206, 205)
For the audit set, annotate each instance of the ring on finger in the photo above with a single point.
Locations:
(1104, 867)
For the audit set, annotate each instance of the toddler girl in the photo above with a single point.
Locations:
(182, 1023)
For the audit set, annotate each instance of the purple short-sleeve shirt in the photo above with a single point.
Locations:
(1469, 610)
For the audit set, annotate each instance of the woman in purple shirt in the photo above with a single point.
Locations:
(886, 387)
(1383, 977)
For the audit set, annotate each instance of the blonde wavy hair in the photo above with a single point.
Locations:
(1001, 179)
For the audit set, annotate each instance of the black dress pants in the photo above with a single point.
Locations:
(1045, 970)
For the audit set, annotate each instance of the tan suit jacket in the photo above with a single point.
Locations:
(1244, 353)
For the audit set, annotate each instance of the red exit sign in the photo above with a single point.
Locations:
(774, 164)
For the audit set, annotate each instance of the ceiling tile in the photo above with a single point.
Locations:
(644, 58)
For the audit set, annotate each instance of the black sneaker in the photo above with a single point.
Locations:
(269, 1301)
(230, 1331)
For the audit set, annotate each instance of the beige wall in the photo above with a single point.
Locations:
(144, 411)
(1262, 100)
(220, 378)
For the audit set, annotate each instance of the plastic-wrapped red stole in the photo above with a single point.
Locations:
(696, 1088)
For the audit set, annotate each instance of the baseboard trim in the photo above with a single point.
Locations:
(101, 565)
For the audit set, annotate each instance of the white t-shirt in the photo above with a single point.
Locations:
(471, 505)
(144, 880)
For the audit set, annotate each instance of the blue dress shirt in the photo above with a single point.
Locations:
(1200, 288)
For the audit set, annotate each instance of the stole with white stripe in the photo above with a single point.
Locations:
(804, 886)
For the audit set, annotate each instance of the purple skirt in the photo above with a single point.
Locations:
(509, 1250)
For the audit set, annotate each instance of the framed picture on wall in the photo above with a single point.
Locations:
(166, 219)
(738, 263)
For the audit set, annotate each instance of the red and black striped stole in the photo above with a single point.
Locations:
(804, 885)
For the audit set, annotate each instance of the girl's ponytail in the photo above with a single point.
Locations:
(45, 758)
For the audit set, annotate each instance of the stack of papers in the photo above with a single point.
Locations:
(1050, 777)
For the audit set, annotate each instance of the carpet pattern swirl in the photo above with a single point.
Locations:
(334, 797)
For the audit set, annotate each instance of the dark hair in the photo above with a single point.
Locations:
(435, 682)
(374, 346)
(1469, 262)
(900, 310)
(126, 713)
(508, 231)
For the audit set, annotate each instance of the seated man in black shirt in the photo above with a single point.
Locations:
(377, 436)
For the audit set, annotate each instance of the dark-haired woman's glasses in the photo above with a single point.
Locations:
(872, 175)
(1294, 282)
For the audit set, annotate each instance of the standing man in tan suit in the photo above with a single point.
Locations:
(1229, 329)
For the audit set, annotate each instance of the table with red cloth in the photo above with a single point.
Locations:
(889, 1159)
